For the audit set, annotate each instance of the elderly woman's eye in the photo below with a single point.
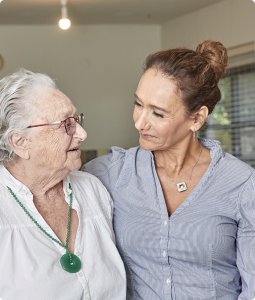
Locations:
(70, 123)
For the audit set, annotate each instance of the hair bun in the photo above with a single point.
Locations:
(216, 55)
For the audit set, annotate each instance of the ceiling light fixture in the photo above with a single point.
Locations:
(64, 23)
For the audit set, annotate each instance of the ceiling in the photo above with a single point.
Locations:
(97, 11)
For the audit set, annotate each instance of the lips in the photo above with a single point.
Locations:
(146, 136)
(74, 149)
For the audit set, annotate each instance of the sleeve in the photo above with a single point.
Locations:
(246, 240)
(107, 168)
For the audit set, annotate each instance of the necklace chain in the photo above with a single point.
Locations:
(44, 231)
(191, 170)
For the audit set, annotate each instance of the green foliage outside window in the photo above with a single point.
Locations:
(222, 115)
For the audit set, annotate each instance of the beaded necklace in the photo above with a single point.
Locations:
(69, 262)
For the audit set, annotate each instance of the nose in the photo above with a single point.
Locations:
(142, 122)
(80, 133)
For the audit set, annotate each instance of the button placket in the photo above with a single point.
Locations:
(165, 260)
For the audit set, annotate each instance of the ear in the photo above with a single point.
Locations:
(19, 145)
(199, 118)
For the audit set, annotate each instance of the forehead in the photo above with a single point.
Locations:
(154, 86)
(53, 105)
(156, 89)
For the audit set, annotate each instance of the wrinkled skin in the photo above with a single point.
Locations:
(51, 143)
(44, 159)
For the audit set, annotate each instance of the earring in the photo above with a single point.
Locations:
(194, 136)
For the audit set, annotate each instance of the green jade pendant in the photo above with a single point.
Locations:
(69, 262)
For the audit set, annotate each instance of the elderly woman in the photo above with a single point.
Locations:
(184, 214)
(56, 237)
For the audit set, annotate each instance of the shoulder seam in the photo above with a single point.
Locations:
(108, 168)
(242, 190)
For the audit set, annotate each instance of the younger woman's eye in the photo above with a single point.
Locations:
(158, 115)
(136, 103)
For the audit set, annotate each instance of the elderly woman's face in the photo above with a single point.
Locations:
(159, 115)
(49, 146)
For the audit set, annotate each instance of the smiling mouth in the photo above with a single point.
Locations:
(73, 149)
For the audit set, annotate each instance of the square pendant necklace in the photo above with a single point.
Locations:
(182, 186)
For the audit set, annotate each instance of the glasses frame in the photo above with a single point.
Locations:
(78, 119)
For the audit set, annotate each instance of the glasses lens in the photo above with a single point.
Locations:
(70, 126)
(80, 120)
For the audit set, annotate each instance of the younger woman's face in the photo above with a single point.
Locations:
(159, 115)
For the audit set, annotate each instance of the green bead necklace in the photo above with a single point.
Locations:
(69, 262)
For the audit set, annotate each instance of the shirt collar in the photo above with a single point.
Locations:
(8, 180)
(214, 147)
(66, 188)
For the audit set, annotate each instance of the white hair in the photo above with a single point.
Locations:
(16, 112)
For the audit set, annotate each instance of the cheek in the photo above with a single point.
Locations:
(164, 130)
(49, 149)
(169, 130)
(135, 117)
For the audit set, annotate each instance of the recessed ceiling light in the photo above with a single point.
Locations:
(64, 23)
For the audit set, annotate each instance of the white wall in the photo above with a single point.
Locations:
(231, 22)
(97, 66)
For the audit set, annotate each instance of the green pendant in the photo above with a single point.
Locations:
(72, 267)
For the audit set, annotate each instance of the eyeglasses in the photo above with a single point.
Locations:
(70, 123)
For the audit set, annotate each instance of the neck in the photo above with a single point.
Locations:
(179, 156)
(44, 185)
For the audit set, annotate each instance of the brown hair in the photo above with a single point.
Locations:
(195, 73)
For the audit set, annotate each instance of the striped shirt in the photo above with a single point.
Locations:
(205, 250)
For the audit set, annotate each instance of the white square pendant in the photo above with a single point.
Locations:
(181, 187)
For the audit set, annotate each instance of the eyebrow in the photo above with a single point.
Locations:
(69, 114)
(154, 106)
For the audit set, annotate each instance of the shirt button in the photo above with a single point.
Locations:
(165, 223)
(87, 298)
(80, 274)
(168, 281)
(164, 253)
(78, 253)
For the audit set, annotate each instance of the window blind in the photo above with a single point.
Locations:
(233, 120)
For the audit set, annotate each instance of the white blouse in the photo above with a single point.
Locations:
(30, 261)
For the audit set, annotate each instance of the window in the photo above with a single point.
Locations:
(233, 120)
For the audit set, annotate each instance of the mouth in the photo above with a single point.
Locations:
(146, 136)
(73, 149)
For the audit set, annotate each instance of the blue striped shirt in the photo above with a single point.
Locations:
(205, 250)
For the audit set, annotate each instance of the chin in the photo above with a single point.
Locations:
(148, 146)
(76, 165)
